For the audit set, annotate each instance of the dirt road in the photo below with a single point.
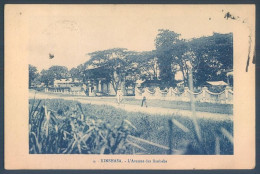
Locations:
(134, 108)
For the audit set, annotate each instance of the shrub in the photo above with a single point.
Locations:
(71, 131)
(60, 126)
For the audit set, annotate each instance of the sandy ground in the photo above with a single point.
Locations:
(133, 108)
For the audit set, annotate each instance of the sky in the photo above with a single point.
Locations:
(71, 32)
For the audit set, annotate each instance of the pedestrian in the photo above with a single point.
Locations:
(144, 100)
(119, 96)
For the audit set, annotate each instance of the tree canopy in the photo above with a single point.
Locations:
(33, 74)
(113, 62)
(214, 57)
(164, 43)
(208, 57)
(54, 72)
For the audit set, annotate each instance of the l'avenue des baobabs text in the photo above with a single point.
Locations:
(133, 161)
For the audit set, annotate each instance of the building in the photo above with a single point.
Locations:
(66, 86)
(61, 83)
(98, 83)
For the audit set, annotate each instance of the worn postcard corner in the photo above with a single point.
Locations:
(130, 87)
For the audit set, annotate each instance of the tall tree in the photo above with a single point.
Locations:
(180, 58)
(45, 77)
(59, 72)
(33, 74)
(208, 57)
(214, 57)
(75, 73)
(54, 72)
(144, 64)
(113, 62)
(164, 42)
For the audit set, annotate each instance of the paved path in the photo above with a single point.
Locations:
(135, 108)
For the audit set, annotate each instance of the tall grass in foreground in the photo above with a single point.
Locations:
(201, 146)
(67, 127)
(73, 132)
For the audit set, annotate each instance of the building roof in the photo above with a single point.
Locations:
(63, 81)
(95, 73)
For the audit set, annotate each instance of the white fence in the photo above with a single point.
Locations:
(204, 95)
(65, 91)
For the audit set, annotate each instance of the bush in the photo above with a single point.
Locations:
(70, 131)
(59, 126)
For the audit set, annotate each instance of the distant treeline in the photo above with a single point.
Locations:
(209, 58)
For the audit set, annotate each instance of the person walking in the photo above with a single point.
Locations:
(144, 100)
(119, 96)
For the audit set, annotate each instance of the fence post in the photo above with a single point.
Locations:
(226, 93)
(204, 89)
(170, 93)
(157, 93)
(186, 97)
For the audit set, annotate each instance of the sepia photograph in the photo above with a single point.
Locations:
(145, 82)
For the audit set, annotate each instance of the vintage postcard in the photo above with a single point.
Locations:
(129, 87)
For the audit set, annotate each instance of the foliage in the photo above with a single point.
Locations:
(69, 131)
(45, 77)
(164, 42)
(120, 65)
(139, 133)
(54, 72)
(146, 65)
(112, 64)
(181, 56)
(33, 74)
(214, 57)
(75, 73)
(209, 57)
(58, 72)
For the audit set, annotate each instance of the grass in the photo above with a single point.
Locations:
(61, 126)
(202, 107)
